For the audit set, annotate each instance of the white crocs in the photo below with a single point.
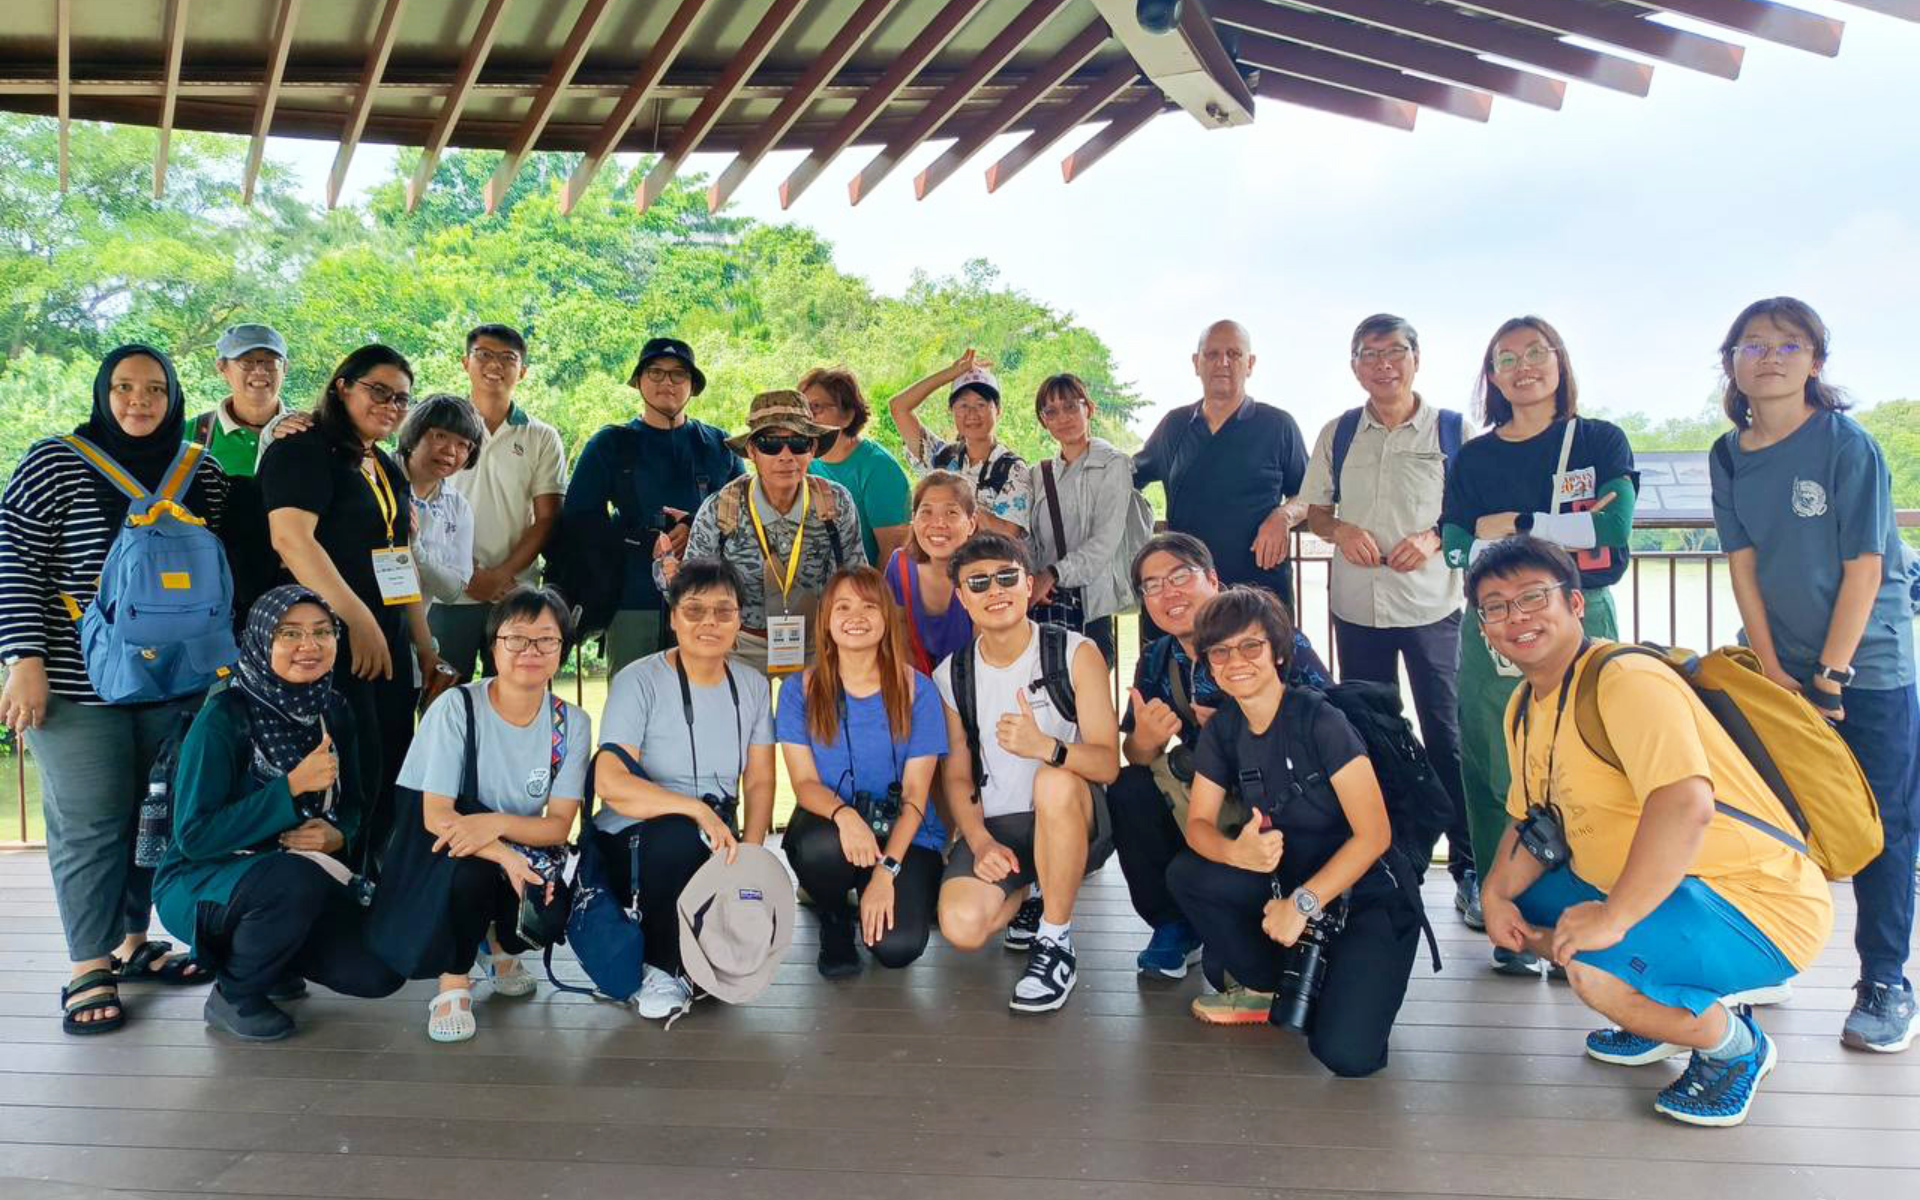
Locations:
(509, 977)
(457, 1023)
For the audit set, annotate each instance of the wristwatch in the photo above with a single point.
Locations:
(1307, 903)
(1059, 756)
(1840, 675)
(891, 865)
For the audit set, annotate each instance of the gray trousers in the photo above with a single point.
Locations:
(460, 630)
(93, 762)
(633, 634)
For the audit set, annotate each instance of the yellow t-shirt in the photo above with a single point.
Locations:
(1664, 734)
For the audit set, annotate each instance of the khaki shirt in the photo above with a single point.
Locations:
(1393, 482)
(519, 461)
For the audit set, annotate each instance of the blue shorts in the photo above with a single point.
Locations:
(1688, 953)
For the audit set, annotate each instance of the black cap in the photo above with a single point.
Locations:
(666, 347)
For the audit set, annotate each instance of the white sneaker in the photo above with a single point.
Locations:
(661, 994)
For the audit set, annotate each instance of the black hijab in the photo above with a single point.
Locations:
(285, 717)
(145, 458)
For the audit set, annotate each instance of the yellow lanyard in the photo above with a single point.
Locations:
(383, 496)
(799, 536)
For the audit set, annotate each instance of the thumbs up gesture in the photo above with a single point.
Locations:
(317, 771)
(1018, 733)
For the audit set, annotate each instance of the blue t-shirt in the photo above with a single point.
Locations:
(877, 759)
(1806, 505)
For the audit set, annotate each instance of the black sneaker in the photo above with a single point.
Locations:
(291, 988)
(838, 956)
(1025, 926)
(1048, 979)
(254, 1018)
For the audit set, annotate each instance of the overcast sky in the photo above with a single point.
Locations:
(1639, 226)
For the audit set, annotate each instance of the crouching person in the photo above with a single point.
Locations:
(1672, 893)
(1033, 743)
(266, 795)
(1299, 905)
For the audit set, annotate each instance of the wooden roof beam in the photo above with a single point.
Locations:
(269, 96)
(745, 62)
(1391, 50)
(1290, 89)
(1125, 123)
(799, 98)
(660, 56)
(1187, 62)
(551, 89)
(1056, 125)
(1522, 46)
(1292, 59)
(1614, 27)
(1763, 19)
(170, 93)
(962, 88)
(927, 43)
(1049, 75)
(456, 100)
(1906, 10)
(63, 76)
(383, 38)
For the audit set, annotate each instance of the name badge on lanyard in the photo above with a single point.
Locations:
(786, 644)
(393, 570)
(786, 634)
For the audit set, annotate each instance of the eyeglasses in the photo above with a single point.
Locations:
(382, 394)
(1535, 355)
(1754, 352)
(1493, 612)
(1179, 577)
(673, 375)
(771, 444)
(1252, 649)
(1392, 354)
(288, 635)
(506, 358)
(520, 644)
(1054, 412)
(970, 406)
(700, 614)
(1006, 577)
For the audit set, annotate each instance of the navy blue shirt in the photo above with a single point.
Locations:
(1221, 486)
(1493, 475)
(1153, 675)
(636, 470)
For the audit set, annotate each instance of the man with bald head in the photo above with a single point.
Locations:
(1231, 466)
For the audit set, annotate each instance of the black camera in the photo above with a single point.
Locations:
(1544, 836)
(1305, 972)
(727, 808)
(880, 812)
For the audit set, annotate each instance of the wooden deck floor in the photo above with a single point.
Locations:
(917, 1084)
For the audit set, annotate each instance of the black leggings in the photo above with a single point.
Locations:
(287, 917)
(1367, 966)
(670, 852)
(1146, 839)
(481, 897)
(813, 847)
(383, 715)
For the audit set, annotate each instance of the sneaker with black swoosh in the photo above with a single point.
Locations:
(1048, 979)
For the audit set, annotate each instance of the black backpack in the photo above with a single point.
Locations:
(992, 475)
(1056, 676)
(154, 830)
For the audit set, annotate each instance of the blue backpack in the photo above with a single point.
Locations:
(161, 625)
(1452, 432)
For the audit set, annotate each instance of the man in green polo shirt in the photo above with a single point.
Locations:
(253, 361)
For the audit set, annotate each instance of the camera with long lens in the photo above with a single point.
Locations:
(1544, 835)
(1305, 971)
(880, 812)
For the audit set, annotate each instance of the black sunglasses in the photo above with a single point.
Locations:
(771, 444)
(1006, 577)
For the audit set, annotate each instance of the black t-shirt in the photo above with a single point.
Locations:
(305, 471)
(1493, 475)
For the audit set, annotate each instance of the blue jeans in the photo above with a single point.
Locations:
(1883, 727)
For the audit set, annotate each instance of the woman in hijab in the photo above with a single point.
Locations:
(266, 797)
(58, 518)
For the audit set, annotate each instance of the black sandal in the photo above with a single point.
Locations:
(71, 1009)
(178, 971)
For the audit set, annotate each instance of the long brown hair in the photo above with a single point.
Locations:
(823, 686)
(1794, 314)
(1495, 408)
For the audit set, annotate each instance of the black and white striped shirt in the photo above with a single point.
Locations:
(58, 519)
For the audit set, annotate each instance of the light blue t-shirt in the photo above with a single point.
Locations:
(513, 761)
(644, 710)
(1806, 505)
(877, 759)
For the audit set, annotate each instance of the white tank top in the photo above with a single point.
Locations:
(1009, 786)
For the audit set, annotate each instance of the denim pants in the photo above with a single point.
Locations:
(1883, 728)
(93, 761)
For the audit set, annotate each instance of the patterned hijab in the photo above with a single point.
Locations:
(285, 716)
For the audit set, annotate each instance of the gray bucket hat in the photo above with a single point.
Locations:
(736, 923)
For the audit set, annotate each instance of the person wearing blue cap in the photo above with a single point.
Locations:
(253, 361)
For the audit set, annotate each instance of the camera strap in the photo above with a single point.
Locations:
(1526, 729)
(846, 733)
(739, 728)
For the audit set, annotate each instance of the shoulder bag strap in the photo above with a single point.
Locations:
(1343, 434)
(921, 658)
(1566, 454)
(470, 765)
(1053, 512)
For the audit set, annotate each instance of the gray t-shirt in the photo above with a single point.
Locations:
(1806, 505)
(644, 711)
(513, 761)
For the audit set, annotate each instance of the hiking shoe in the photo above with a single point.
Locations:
(1024, 927)
(1715, 1091)
(838, 956)
(662, 994)
(292, 987)
(1174, 948)
(1624, 1049)
(253, 1017)
(1048, 979)
(1882, 1018)
(1466, 902)
(1237, 1004)
(1522, 964)
(1778, 993)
